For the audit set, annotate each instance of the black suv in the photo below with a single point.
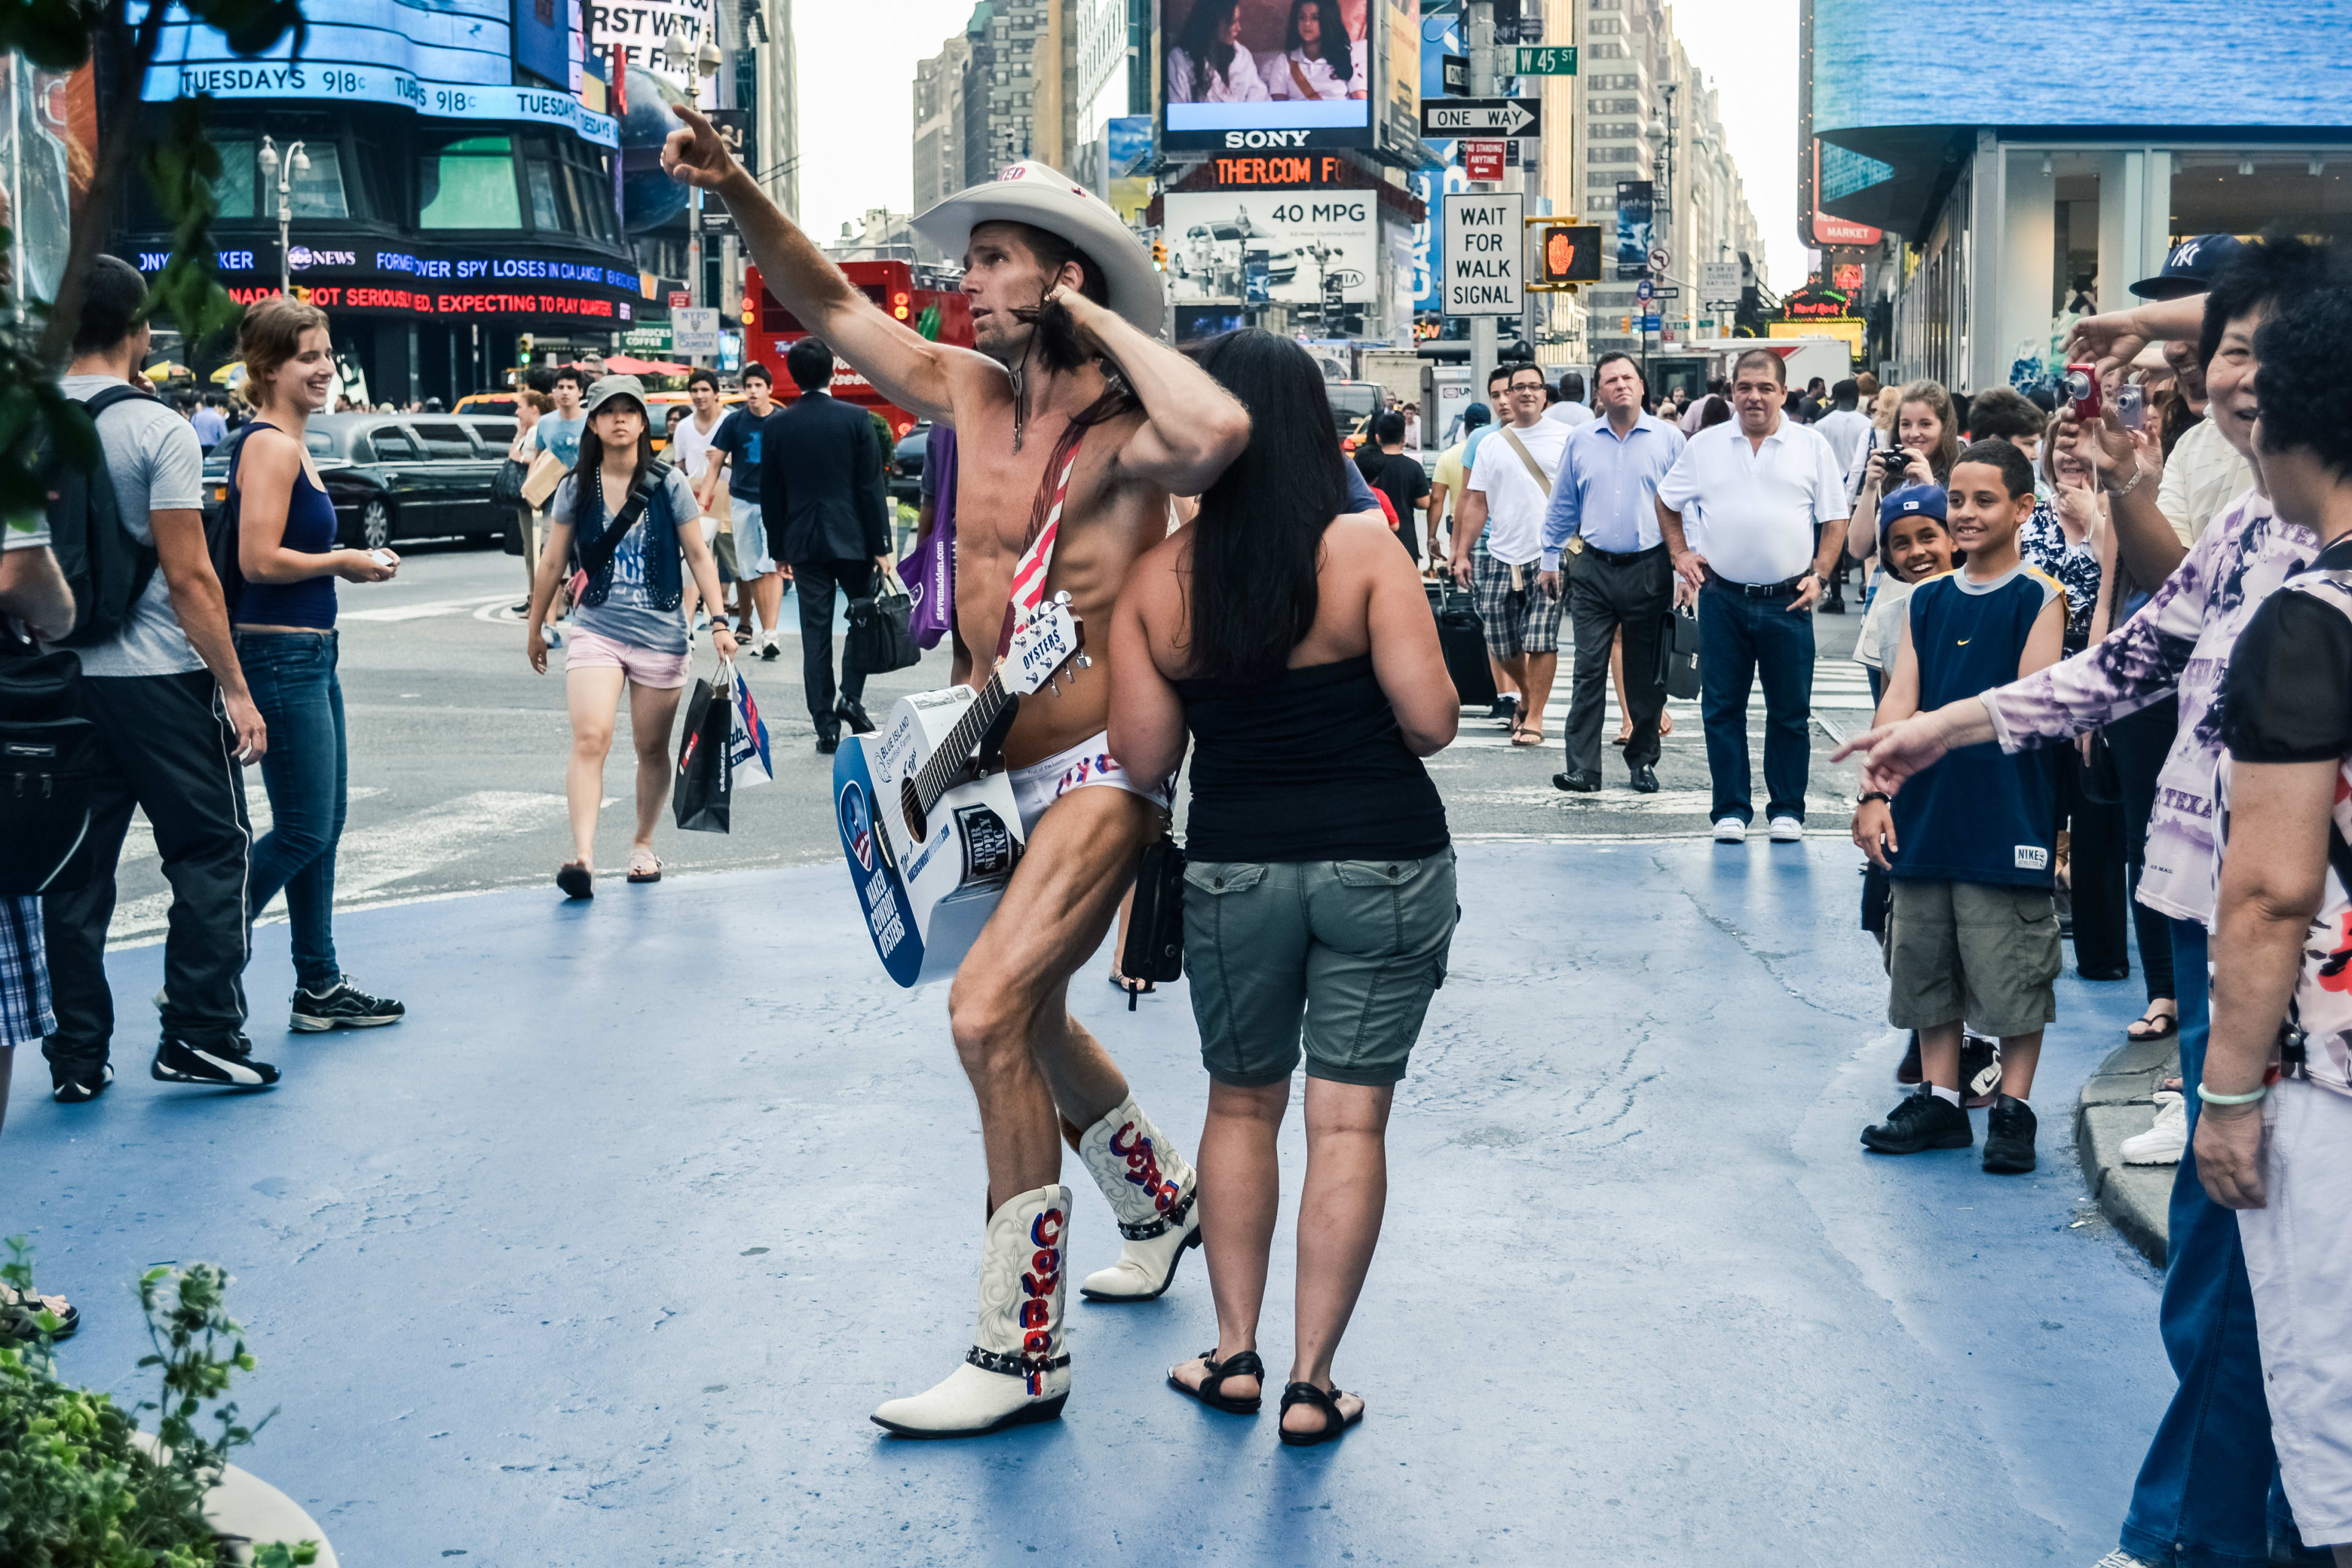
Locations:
(399, 476)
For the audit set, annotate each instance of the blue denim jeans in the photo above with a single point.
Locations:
(1740, 639)
(2208, 1494)
(292, 677)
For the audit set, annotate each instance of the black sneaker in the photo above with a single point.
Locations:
(1920, 1122)
(80, 1086)
(176, 1061)
(1506, 708)
(2008, 1137)
(1907, 1071)
(342, 1005)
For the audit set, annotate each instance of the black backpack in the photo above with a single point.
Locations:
(104, 564)
(51, 761)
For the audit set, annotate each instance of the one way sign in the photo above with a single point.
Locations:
(1446, 117)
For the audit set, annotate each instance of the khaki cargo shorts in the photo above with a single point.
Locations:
(1343, 954)
(1976, 950)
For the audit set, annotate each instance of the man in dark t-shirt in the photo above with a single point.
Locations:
(1387, 466)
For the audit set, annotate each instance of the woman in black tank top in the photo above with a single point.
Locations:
(1296, 647)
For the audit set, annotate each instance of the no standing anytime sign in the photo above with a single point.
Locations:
(1484, 254)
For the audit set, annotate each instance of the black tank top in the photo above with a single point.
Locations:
(1308, 766)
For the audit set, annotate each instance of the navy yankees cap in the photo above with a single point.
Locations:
(2192, 267)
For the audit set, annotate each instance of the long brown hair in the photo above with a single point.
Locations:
(1939, 403)
(591, 462)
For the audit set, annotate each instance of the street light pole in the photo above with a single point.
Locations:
(1480, 36)
(694, 63)
(296, 161)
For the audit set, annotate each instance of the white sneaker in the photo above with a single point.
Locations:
(2121, 1559)
(1787, 830)
(2162, 1143)
(1731, 830)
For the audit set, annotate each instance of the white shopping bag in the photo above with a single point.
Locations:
(747, 735)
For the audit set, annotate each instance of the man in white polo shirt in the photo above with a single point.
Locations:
(1757, 491)
(1508, 490)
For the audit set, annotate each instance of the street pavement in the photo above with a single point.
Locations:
(604, 1254)
(458, 752)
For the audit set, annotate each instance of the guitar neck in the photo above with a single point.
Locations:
(948, 763)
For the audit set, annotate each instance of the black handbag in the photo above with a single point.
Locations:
(1678, 653)
(1155, 920)
(702, 798)
(506, 485)
(50, 760)
(879, 638)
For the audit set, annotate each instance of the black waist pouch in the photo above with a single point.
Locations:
(1155, 922)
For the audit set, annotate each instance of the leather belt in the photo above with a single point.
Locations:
(1756, 590)
(1624, 557)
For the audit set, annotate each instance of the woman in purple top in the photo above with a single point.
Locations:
(286, 640)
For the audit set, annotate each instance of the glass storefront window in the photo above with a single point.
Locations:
(234, 190)
(469, 185)
(545, 217)
(318, 190)
(2243, 194)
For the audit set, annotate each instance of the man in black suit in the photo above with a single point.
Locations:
(822, 493)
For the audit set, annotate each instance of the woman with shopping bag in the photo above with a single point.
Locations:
(625, 522)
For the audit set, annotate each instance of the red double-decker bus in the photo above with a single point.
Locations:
(914, 296)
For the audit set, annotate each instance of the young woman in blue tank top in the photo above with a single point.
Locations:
(285, 618)
(1295, 646)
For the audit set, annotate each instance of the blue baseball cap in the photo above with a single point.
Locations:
(1912, 501)
(2192, 267)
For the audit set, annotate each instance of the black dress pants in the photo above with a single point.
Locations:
(812, 584)
(2096, 857)
(1604, 593)
(171, 753)
(2140, 744)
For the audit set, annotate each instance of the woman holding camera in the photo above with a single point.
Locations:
(1927, 439)
(1293, 642)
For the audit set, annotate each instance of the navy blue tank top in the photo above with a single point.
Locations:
(310, 531)
(1977, 816)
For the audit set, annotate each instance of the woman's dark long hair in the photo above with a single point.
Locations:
(1200, 38)
(589, 468)
(1259, 535)
(1333, 46)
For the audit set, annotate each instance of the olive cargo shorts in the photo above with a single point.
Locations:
(1353, 948)
(1972, 950)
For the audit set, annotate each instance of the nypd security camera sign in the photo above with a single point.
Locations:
(1485, 271)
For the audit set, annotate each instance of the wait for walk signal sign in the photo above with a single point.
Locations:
(1486, 254)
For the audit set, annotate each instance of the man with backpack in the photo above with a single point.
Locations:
(160, 681)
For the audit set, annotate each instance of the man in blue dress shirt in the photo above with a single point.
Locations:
(1603, 515)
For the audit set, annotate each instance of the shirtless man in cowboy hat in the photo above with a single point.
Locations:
(1059, 290)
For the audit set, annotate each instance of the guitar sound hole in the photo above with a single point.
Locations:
(911, 808)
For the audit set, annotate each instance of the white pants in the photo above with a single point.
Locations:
(2299, 1261)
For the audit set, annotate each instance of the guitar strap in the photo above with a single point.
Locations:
(1029, 575)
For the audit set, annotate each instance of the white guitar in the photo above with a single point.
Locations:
(927, 816)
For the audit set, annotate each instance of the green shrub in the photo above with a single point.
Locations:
(76, 1491)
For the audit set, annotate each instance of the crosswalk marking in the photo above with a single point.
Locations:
(1835, 693)
(424, 610)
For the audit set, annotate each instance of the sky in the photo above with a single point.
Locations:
(857, 124)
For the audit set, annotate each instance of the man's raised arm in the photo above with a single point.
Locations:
(908, 369)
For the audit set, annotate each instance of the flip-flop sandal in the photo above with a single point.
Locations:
(1521, 735)
(2145, 1028)
(1211, 1391)
(576, 880)
(1132, 987)
(645, 866)
(1334, 1424)
(17, 1316)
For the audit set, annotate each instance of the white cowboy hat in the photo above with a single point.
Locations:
(1028, 191)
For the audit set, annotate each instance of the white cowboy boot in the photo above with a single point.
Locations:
(1150, 1186)
(1018, 1370)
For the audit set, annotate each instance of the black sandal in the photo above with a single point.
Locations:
(2162, 1026)
(19, 1313)
(1334, 1423)
(1211, 1393)
(575, 880)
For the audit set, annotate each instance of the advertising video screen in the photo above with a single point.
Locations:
(1289, 247)
(1997, 62)
(1269, 73)
(453, 58)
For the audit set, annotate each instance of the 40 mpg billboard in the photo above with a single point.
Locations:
(443, 58)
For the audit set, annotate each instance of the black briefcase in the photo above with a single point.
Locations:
(1464, 643)
(1678, 653)
(879, 639)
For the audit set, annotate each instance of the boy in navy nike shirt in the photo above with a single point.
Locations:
(1972, 932)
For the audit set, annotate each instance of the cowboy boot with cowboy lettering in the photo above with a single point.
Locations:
(1018, 1370)
(1152, 1187)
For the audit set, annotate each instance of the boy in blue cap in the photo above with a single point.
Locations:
(1972, 932)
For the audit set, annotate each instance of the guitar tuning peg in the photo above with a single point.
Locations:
(1063, 598)
(1054, 687)
(1085, 662)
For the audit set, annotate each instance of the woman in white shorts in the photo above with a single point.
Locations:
(627, 628)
